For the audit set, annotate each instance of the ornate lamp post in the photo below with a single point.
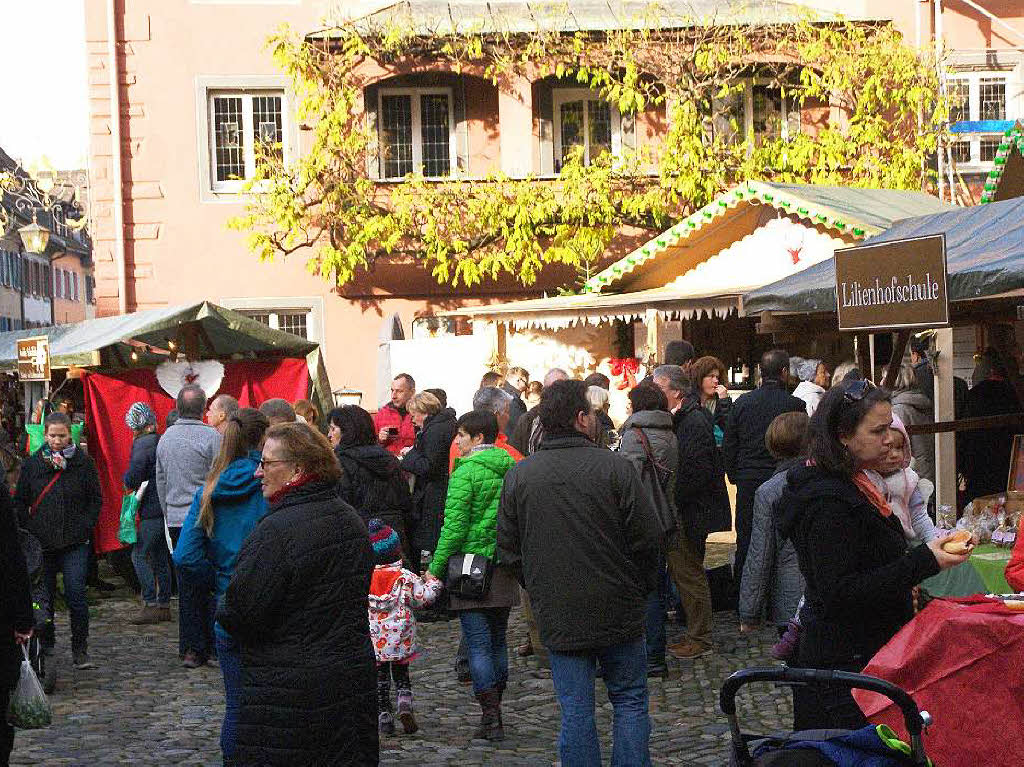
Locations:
(28, 197)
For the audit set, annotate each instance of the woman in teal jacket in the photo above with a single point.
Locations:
(223, 513)
(471, 527)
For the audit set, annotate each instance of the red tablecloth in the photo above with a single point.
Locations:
(962, 660)
(108, 397)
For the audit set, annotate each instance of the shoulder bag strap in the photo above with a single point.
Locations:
(45, 491)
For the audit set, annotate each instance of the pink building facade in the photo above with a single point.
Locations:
(194, 88)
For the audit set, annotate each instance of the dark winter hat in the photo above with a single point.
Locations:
(384, 540)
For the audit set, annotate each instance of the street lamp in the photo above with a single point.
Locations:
(28, 195)
(34, 237)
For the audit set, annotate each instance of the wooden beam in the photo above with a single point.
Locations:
(968, 424)
(864, 356)
(899, 348)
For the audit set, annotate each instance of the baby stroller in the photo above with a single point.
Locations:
(771, 751)
(42, 658)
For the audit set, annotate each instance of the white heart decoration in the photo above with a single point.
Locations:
(173, 376)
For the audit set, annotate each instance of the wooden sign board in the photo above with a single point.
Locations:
(34, 358)
(896, 284)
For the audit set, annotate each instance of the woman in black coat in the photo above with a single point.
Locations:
(371, 479)
(58, 500)
(15, 613)
(297, 605)
(850, 548)
(427, 460)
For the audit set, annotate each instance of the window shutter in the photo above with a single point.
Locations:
(373, 158)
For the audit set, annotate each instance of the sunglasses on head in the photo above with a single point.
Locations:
(856, 390)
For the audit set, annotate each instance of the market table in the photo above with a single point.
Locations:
(960, 659)
(983, 573)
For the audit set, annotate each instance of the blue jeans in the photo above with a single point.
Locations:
(74, 564)
(484, 631)
(149, 556)
(230, 660)
(655, 620)
(196, 607)
(625, 675)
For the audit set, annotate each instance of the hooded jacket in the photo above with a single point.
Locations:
(297, 605)
(700, 495)
(657, 427)
(771, 582)
(471, 508)
(238, 504)
(394, 592)
(142, 468)
(810, 393)
(372, 484)
(70, 508)
(856, 565)
(915, 408)
(576, 522)
(428, 462)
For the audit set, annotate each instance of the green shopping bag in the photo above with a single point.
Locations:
(126, 532)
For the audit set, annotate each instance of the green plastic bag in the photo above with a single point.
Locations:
(126, 532)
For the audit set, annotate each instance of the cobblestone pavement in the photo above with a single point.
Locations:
(141, 707)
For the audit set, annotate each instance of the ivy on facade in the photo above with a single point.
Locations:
(877, 99)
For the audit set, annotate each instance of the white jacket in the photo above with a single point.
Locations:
(810, 393)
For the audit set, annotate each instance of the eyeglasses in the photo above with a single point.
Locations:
(856, 390)
(263, 463)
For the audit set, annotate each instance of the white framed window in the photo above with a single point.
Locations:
(756, 110)
(295, 321)
(583, 119)
(240, 121)
(977, 97)
(417, 132)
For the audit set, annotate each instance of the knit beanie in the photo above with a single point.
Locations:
(139, 416)
(385, 542)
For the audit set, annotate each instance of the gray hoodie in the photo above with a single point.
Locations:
(657, 427)
(184, 456)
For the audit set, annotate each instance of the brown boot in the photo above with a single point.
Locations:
(164, 614)
(490, 727)
(148, 614)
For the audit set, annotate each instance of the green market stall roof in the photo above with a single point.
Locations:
(216, 332)
(851, 213)
(1006, 179)
(984, 258)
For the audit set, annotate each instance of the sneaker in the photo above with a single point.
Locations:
(148, 614)
(657, 670)
(193, 660)
(525, 650)
(689, 649)
(405, 715)
(385, 723)
(81, 660)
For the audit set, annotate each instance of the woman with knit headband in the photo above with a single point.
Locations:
(851, 550)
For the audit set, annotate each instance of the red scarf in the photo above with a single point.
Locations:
(872, 493)
(287, 487)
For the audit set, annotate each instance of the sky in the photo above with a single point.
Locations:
(45, 107)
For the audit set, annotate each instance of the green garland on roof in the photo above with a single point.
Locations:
(1012, 138)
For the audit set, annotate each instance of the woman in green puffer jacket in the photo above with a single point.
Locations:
(470, 527)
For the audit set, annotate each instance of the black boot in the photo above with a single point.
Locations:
(490, 727)
(500, 688)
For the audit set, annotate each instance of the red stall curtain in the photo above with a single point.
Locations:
(109, 395)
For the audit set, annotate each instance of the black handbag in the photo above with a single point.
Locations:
(469, 576)
(660, 477)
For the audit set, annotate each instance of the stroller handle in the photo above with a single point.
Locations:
(785, 674)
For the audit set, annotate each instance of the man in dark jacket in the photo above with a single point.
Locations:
(515, 384)
(747, 460)
(578, 526)
(526, 435)
(149, 554)
(15, 613)
(58, 500)
(703, 506)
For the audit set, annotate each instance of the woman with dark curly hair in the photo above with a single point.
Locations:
(850, 548)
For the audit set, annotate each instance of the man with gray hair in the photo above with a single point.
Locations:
(526, 437)
(497, 401)
(278, 410)
(184, 456)
(220, 410)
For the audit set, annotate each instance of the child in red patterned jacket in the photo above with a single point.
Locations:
(394, 591)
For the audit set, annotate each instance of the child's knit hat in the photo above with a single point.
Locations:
(386, 545)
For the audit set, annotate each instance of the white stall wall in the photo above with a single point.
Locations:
(452, 363)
